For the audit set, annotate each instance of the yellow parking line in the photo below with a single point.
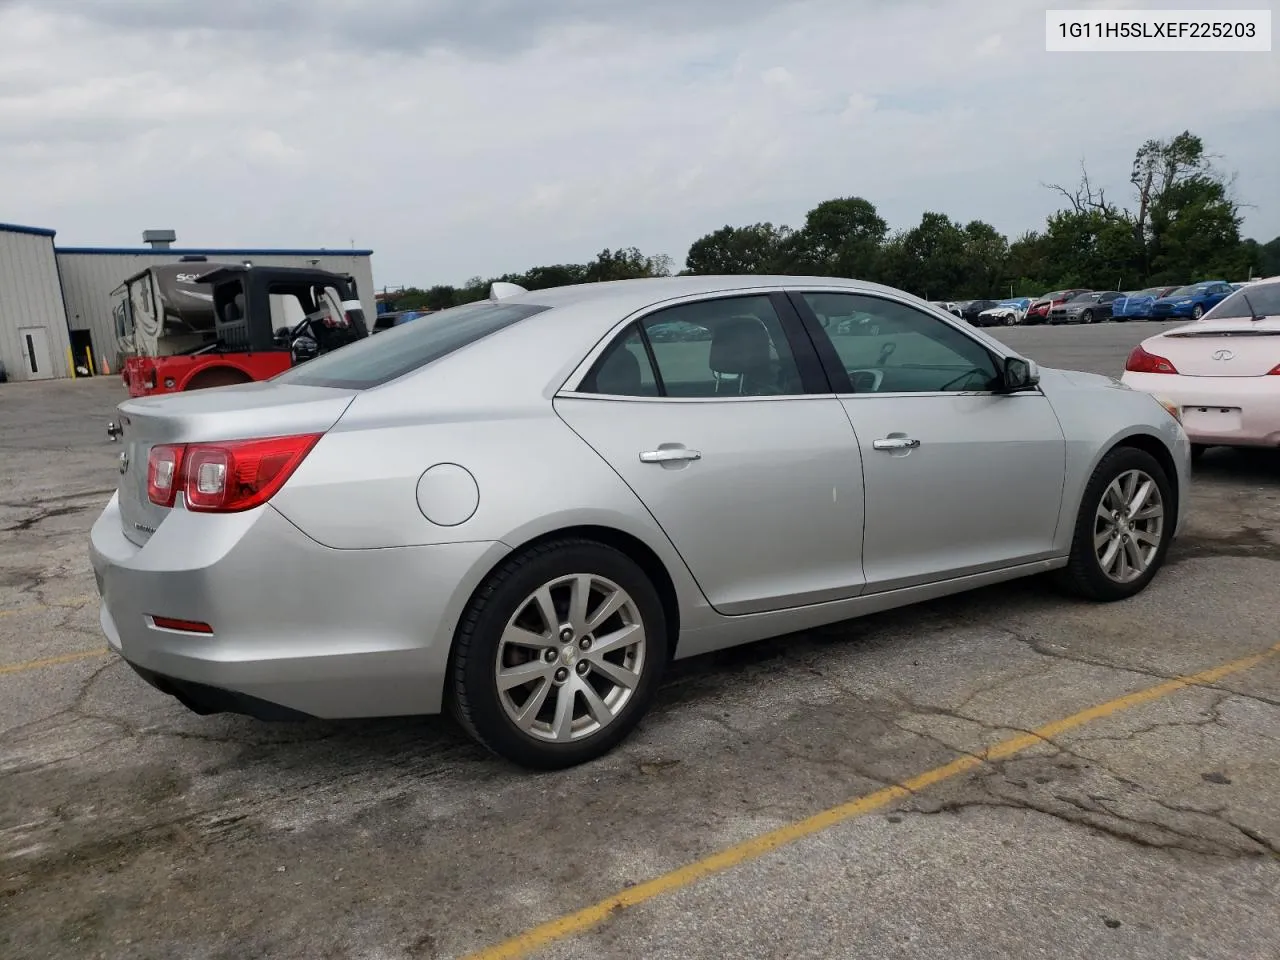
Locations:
(547, 933)
(53, 661)
(56, 605)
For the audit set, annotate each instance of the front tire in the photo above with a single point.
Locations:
(559, 654)
(1123, 530)
(1197, 312)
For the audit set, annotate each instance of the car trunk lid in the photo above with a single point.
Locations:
(1236, 347)
(241, 412)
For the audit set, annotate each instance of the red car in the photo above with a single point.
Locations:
(1038, 312)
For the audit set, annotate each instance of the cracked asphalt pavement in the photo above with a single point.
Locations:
(131, 828)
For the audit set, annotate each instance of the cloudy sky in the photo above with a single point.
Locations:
(465, 137)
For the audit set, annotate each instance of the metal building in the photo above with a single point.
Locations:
(90, 274)
(33, 323)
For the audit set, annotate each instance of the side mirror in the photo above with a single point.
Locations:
(1019, 374)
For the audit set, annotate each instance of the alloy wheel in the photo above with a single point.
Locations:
(570, 658)
(1128, 526)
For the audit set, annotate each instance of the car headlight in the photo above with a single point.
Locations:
(1174, 410)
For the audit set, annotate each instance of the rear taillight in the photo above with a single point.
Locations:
(1140, 361)
(185, 626)
(164, 473)
(1274, 371)
(231, 475)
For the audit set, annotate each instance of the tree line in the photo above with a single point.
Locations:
(1180, 224)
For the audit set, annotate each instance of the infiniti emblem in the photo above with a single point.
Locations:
(124, 462)
(1222, 354)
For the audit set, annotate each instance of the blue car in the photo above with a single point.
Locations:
(1193, 300)
(1137, 305)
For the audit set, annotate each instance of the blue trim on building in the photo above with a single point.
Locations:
(34, 231)
(205, 252)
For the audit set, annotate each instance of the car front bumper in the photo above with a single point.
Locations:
(299, 628)
(1173, 313)
(1218, 411)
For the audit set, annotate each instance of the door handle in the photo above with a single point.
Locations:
(668, 454)
(896, 443)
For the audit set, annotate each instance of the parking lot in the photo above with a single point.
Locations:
(1000, 774)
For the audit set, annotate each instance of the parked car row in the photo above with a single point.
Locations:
(1079, 305)
(1221, 371)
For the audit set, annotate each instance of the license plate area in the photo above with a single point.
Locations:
(1212, 419)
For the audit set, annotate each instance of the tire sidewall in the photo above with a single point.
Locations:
(1084, 559)
(475, 668)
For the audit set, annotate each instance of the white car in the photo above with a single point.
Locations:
(1221, 372)
(1006, 313)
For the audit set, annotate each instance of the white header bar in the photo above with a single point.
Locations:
(1157, 31)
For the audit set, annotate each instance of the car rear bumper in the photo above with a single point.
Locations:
(1218, 411)
(299, 628)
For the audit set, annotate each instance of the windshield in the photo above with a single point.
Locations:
(1194, 290)
(406, 347)
(1264, 298)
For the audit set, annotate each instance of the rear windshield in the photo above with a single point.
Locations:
(1259, 299)
(406, 347)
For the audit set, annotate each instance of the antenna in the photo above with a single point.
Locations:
(500, 290)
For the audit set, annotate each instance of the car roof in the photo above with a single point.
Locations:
(624, 296)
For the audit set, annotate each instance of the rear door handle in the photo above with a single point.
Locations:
(668, 454)
(896, 443)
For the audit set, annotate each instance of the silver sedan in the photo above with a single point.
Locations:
(522, 509)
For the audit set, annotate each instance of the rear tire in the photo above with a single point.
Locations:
(1104, 549)
(591, 675)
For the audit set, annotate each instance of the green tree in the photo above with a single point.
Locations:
(986, 254)
(1028, 266)
(1268, 259)
(557, 275)
(738, 250)
(439, 297)
(1195, 233)
(626, 264)
(931, 259)
(840, 238)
